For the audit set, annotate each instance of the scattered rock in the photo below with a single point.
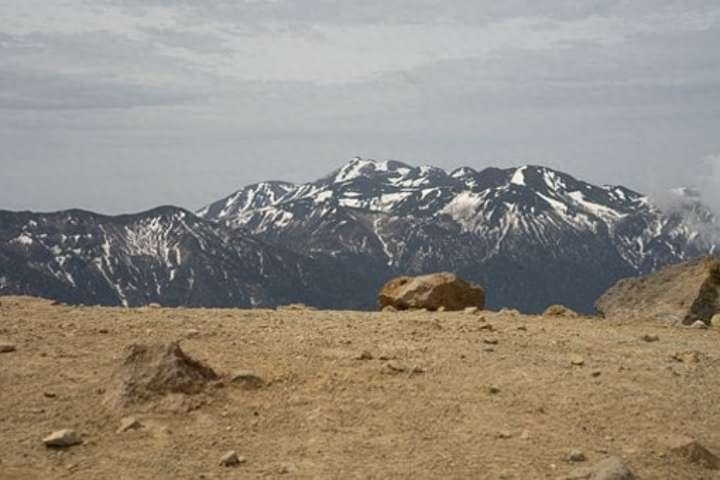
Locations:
(699, 325)
(560, 311)
(576, 456)
(490, 341)
(577, 360)
(49, 394)
(596, 373)
(525, 435)
(295, 306)
(6, 347)
(609, 469)
(389, 309)
(129, 423)
(192, 333)
(154, 305)
(231, 459)
(365, 355)
(472, 310)
(417, 371)
(504, 434)
(62, 439)
(154, 371)
(493, 389)
(394, 368)
(715, 321)
(431, 292)
(691, 451)
(249, 380)
(649, 338)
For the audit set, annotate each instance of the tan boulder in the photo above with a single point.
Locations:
(437, 291)
(559, 311)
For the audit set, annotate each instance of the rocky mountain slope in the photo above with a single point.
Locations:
(166, 255)
(531, 235)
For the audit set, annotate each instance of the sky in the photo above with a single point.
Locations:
(122, 105)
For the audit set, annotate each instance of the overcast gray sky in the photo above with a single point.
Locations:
(121, 105)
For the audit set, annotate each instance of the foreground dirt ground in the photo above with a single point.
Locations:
(483, 396)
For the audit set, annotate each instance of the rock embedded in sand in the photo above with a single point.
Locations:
(576, 456)
(691, 451)
(247, 379)
(6, 347)
(609, 469)
(62, 439)
(149, 372)
(433, 292)
(129, 423)
(560, 311)
(232, 459)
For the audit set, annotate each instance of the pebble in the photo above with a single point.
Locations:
(715, 321)
(699, 325)
(6, 347)
(129, 423)
(490, 341)
(494, 390)
(365, 356)
(504, 434)
(472, 310)
(611, 468)
(596, 373)
(650, 338)
(231, 459)
(247, 379)
(577, 360)
(62, 438)
(394, 367)
(576, 456)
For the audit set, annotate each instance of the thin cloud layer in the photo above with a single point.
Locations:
(190, 99)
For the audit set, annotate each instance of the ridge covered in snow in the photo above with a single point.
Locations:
(406, 219)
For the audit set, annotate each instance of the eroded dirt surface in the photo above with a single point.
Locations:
(327, 413)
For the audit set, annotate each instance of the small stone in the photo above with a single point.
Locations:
(62, 439)
(288, 468)
(504, 434)
(441, 309)
(490, 341)
(649, 338)
(129, 423)
(389, 309)
(494, 390)
(49, 395)
(417, 371)
(525, 435)
(576, 456)
(6, 347)
(596, 373)
(699, 325)
(472, 310)
(692, 451)
(192, 333)
(577, 360)
(247, 379)
(486, 326)
(231, 459)
(521, 328)
(715, 321)
(103, 331)
(365, 355)
(611, 468)
(394, 368)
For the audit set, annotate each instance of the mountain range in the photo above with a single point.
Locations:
(532, 236)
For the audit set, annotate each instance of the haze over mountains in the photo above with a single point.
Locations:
(532, 236)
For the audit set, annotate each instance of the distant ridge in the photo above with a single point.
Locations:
(532, 236)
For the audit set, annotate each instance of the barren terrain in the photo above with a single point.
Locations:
(358, 395)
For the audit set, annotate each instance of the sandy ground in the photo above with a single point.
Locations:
(325, 413)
